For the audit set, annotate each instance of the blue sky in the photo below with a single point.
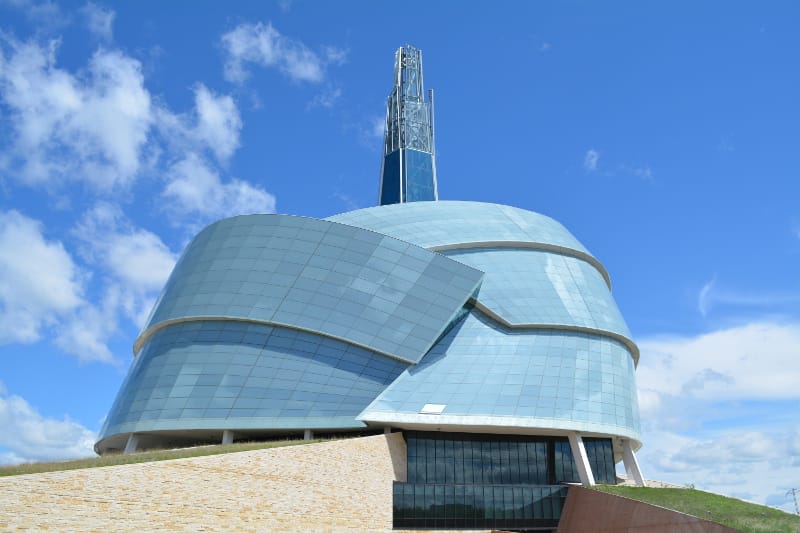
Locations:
(664, 136)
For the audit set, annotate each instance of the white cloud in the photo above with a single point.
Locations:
(137, 264)
(719, 409)
(640, 171)
(703, 296)
(757, 360)
(46, 14)
(335, 55)
(326, 98)
(29, 436)
(214, 126)
(39, 282)
(100, 21)
(590, 160)
(86, 332)
(91, 128)
(731, 461)
(196, 189)
(713, 295)
(263, 45)
(218, 122)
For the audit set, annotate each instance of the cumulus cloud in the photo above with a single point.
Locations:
(100, 21)
(218, 122)
(756, 360)
(590, 160)
(39, 281)
(137, 263)
(261, 44)
(213, 126)
(41, 286)
(740, 387)
(91, 127)
(29, 436)
(729, 461)
(194, 188)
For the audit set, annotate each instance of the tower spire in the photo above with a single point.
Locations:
(408, 171)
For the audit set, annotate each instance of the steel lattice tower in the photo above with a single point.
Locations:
(408, 171)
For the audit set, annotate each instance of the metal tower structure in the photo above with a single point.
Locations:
(408, 170)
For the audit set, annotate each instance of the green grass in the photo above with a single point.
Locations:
(730, 512)
(145, 457)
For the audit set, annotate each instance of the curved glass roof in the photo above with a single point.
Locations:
(234, 375)
(340, 281)
(525, 286)
(482, 374)
(443, 223)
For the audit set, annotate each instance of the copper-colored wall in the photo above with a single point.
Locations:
(593, 511)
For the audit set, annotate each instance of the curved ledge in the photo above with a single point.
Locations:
(145, 335)
(517, 425)
(563, 250)
(634, 350)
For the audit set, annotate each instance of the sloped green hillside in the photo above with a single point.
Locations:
(731, 512)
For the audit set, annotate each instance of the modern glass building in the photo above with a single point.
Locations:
(486, 333)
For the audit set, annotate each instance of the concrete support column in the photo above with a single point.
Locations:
(581, 459)
(133, 442)
(387, 430)
(308, 434)
(227, 437)
(632, 464)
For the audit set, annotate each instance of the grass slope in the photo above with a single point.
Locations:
(145, 457)
(730, 512)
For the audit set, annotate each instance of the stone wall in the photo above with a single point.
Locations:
(330, 486)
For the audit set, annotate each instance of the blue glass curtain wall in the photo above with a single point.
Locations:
(419, 176)
(490, 459)
(434, 506)
(464, 480)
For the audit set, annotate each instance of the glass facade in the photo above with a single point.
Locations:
(517, 507)
(390, 181)
(343, 282)
(418, 169)
(279, 323)
(464, 480)
(481, 371)
(525, 286)
(234, 375)
(442, 223)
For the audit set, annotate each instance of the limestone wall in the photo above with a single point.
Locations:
(331, 486)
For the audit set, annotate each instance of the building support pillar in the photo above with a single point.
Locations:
(132, 444)
(581, 459)
(632, 464)
(227, 437)
(308, 434)
(387, 430)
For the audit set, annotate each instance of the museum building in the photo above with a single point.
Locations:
(485, 333)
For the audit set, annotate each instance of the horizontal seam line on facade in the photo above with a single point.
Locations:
(149, 332)
(488, 313)
(454, 420)
(563, 250)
